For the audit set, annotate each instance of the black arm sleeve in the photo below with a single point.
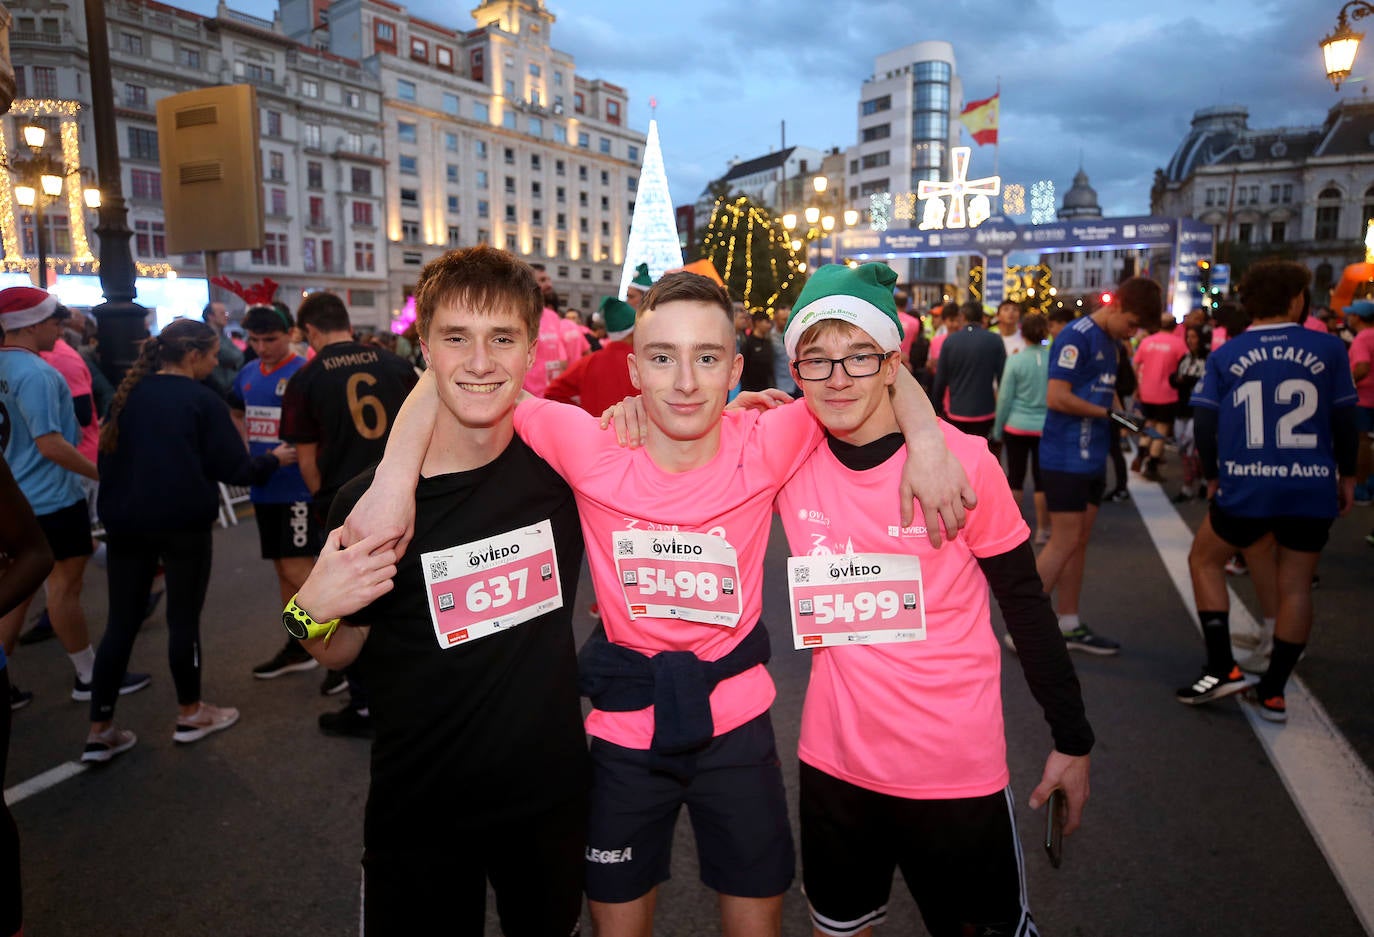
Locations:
(1205, 424)
(1040, 647)
(1345, 436)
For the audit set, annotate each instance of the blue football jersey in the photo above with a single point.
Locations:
(259, 395)
(1085, 356)
(1274, 388)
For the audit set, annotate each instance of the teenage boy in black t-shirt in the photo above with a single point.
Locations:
(479, 768)
(337, 412)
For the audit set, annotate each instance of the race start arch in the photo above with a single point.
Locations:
(1187, 241)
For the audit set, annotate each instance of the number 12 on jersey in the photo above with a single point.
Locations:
(856, 598)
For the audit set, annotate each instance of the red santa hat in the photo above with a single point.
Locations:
(25, 305)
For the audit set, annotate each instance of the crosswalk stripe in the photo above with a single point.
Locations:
(41, 782)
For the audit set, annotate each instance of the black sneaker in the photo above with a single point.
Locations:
(335, 681)
(132, 683)
(19, 698)
(1212, 686)
(347, 722)
(289, 659)
(1183, 497)
(1121, 494)
(1085, 639)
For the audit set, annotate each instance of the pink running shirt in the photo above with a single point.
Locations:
(731, 496)
(1362, 349)
(69, 363)
(555, 343)
(1156, 359)
(920, 720)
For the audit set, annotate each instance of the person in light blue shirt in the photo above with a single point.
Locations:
(1020, 415)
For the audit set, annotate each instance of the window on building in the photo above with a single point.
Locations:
(367, 298)
(136, 96)
(327, 255)
(364, 256)
(481, 112)
(410, 198)
(536, 127)
(605, 203)
(386, 31)
(1287, 195)
(560, 133)
(145, 183)
(481, 178)
(405, 90)
(410, 232)
(274, 251)
(276, 201)
(453, 205)
(309, 259)
(880, 132)
(510, 212)
(44, 81)
(874, 186)
(613, 112)
(455, 236)
(561, 221)
(409, 165)
(582, 200)
(451, 142)
(483, 209)
(276, 166)
(875, 160)
(511, 243)
(1278, 232)
(142, 143)
(1092, 278)
(1211, 197)
(537, 189)
(509, 87)
(1244, 231)
(310, 88)
(451, 103)
(1328, 215)
(586, 273)
(314, 175)
(508, 155)
(353, 100)
(874, 105)
(361, 180)
(362, 213)
(508, 120)
(510, 185)
(353, 142)
(419, 49)
(188, 58)
(561, 194)
(317, 218)
(406, 131)
(579, 102)
(311, 136)
(479, 149)
(581, 173)
(536, 245)
(605, 177)
(443, 57)
(604, 145)
(584, 140)
(150, 239)
(477, 65)
(131, 43)
(536, 217)
(451, 172)
(583, 225)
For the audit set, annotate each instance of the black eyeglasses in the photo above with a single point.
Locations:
(864, 364)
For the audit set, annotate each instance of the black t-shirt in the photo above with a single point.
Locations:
(758, 364)
(474, 734)
(345, 401)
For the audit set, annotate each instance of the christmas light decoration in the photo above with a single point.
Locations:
(880, 210)
(653, 228)
(1042, 202)
(71, 165)
(957, 189)
(1032, 285)
(1014, 199)
(740, 234)
(975, 283)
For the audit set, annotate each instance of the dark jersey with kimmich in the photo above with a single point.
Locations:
(1274, 388)
(476, 724)
(1086, 357)
(344, 401)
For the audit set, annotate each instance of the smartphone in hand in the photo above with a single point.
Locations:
(1055, 808)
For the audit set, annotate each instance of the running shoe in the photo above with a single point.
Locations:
(19, 698)
(1235, 566)
(1183, 497)
(101, 748)
(206, 720)
(1272, 708)
(335, 681)
(132, 683)
(1212, 686)
(1088, 641)
(1121, 494)
(1364, 495)
(290, 659)
(1151, 471)
(347, 722)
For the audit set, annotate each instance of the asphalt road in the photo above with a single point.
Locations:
(258, 830)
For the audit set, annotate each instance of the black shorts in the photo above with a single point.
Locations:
(973, 427)
(534, 864)
(736, 803)
(68, 530)
(1304, 534)
(287, 530)
(961, 859)
(1069, 493)
(1160, 412)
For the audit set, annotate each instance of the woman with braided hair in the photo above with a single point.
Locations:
(168, 441)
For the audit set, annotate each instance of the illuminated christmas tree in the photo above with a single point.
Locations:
(653, 230)
(754, 255)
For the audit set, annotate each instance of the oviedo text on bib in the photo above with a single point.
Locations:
(492, 584)
(855, 598)
(671, 574)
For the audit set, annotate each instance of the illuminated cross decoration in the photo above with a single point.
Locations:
(960, 187)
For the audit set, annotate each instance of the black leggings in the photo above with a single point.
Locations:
(1020, 450)
(1117, 457)
(11, 897)
(132, 564)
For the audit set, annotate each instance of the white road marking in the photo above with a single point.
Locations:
(41, 782)
(1331, 787)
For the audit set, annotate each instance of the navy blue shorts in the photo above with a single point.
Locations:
(736, 803)
(1303, 534)
(1069, 493)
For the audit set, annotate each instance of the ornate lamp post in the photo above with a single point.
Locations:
(820, 222)
(1339, 48)
(42, 177)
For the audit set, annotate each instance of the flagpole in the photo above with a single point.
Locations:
(997, 146)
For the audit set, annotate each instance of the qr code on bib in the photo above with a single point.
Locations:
(801, 574)
(625, 548)
(438, 569)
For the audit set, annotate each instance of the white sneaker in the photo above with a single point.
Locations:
(206, 720)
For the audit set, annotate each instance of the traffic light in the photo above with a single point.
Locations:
(1105, 298)
(1204, 272)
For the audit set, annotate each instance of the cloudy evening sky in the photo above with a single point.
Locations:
(1115, 82)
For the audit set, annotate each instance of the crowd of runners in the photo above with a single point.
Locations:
(427, 527)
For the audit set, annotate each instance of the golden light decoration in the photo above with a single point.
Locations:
(1014, 199)
(1032, 285)
(739, 220)
(71, 164)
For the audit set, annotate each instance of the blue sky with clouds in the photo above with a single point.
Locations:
(1112, 83)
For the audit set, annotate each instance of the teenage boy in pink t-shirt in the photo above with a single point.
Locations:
(676, 534)
(903, 757)
(1156, 359)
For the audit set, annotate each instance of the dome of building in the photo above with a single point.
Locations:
(1081, 200)
(1213, 130)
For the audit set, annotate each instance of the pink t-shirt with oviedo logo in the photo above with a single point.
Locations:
(731, 496)
(921, 719)
(1362, 349)
(1156, 359)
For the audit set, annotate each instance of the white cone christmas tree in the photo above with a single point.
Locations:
(653, 230)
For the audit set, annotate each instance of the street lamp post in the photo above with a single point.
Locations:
(819, 221)
(42, 178)
(1339, 48)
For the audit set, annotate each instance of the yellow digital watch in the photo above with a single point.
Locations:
(301, 626)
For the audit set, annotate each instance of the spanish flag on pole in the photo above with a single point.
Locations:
(980, 117)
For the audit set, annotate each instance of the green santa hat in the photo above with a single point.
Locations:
(642, 280)
(619, 317)
(861, 296)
